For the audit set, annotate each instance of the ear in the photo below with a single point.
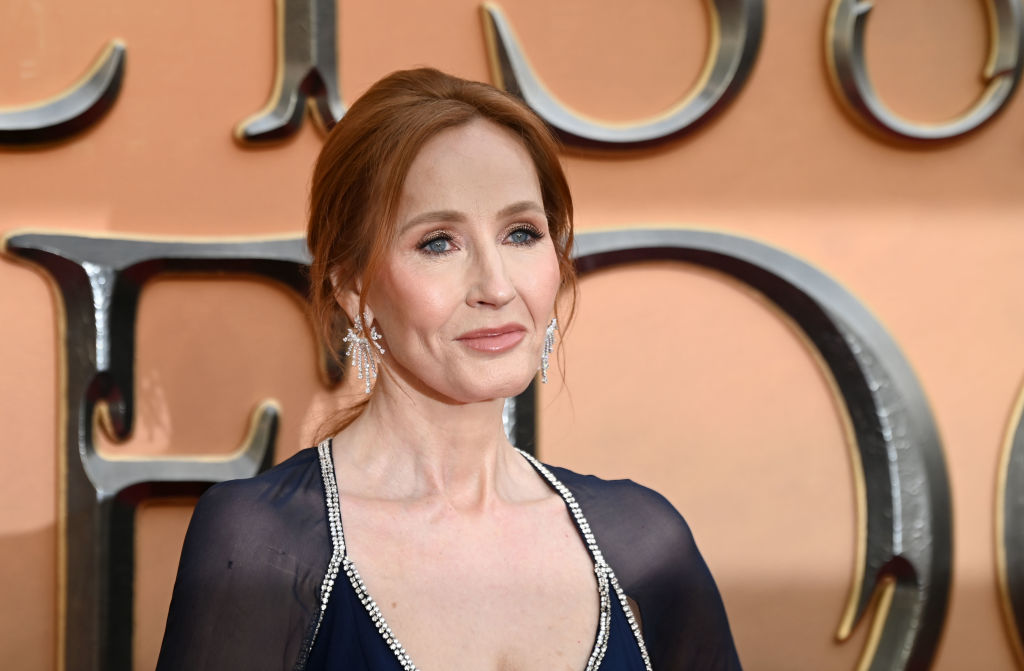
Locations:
(347, 296)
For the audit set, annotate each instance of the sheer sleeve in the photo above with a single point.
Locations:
(247, 589)
(652, 551)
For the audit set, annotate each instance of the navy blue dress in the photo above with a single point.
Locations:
(354, 633)
(252, 586)
(349, 640)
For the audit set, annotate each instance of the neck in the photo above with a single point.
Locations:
(410, 446)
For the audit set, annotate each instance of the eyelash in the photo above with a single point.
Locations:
(529, 229)
(434, 237)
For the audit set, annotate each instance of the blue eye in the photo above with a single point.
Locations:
(523, 236)
(441, 244)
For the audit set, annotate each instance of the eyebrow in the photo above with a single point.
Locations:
(519, 208)
(455, 216)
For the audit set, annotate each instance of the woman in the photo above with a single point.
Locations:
(440, 230)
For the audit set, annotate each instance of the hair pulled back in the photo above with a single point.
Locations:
(359, 174)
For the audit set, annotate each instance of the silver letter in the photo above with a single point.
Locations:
(737, 27)
(844, 49)
(79, 107)
(307, 72)
(905, 542)
(98, 281)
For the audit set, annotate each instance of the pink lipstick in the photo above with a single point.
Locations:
(494, 339)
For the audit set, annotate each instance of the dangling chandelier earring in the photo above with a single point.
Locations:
(549, 344)
(363, 358)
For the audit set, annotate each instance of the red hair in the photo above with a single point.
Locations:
(359, 175)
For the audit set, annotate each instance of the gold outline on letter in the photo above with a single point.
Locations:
(1002, 574)
(844, 53)
(75, 108)
(736, 29)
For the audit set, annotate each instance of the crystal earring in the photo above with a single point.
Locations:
(363, 358)
(549, 344)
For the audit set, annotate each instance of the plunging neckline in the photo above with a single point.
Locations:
(340, 561)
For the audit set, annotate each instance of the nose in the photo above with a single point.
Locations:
(490, 284)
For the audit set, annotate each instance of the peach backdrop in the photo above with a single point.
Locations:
(722, 409)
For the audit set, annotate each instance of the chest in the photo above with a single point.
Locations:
(514, 590)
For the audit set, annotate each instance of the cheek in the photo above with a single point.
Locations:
(540, 281)
(409, 304)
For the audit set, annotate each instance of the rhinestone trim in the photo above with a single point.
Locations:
(606, 580)
(334, 523)
(599, 564)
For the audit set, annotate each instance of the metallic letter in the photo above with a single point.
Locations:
(98, 281)
(736, 36)
(1010, 530)
(905, 538)
(66, 114)
(307, 72)
(844, 49)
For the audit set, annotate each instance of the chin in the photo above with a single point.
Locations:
(496, 387)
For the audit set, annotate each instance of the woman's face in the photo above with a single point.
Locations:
(466, 293)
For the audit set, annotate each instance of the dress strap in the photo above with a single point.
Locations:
(334, 523)
(604, 571)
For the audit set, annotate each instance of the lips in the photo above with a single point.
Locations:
(494, 339)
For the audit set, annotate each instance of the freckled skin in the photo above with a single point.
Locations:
(472, 557)
(425, 299)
